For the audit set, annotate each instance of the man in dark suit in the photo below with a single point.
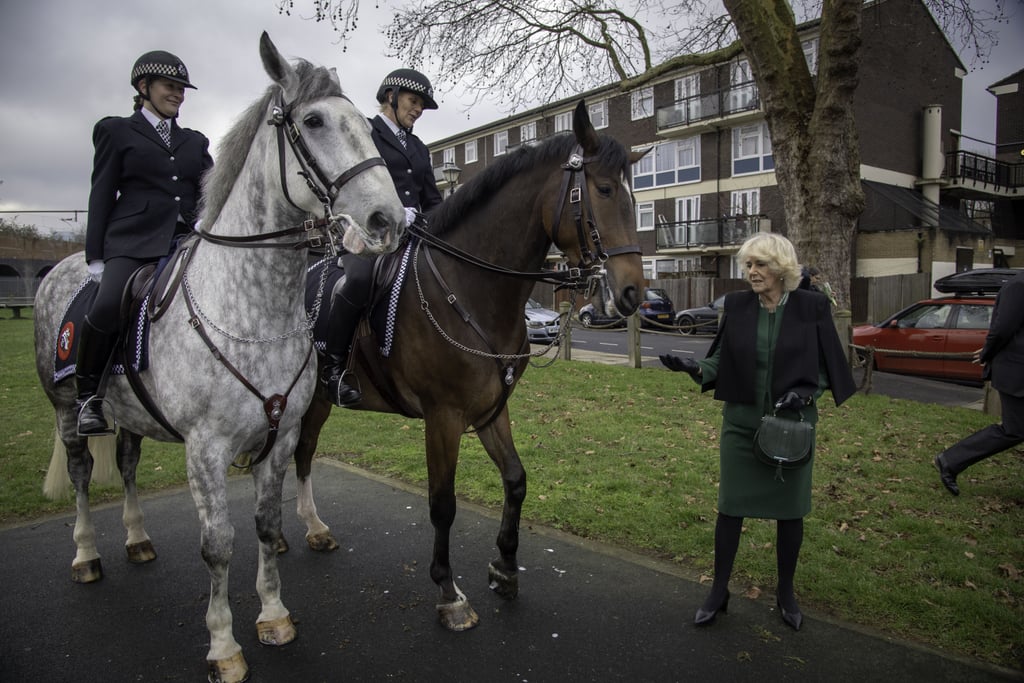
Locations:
(1003, 357)
(145, 192)
(403, 96)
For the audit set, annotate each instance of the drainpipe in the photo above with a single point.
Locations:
(932, 161)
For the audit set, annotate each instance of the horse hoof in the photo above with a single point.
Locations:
(322, 543)
(87, 572)
(505, 584)
(282, 546)
(458, 615)
(276, 631)
(140, 553)
(230, 670)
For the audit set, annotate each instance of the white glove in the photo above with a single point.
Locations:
(96, 270)
(410, 215)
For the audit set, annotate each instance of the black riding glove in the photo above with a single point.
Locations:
(792, 401)
(677, 364)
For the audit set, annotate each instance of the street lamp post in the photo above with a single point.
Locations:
(450, 172)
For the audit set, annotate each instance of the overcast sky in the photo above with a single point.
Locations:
(64, 64)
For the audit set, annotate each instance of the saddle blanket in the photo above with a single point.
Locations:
(136, 336)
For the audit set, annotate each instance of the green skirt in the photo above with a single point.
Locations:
(750, 488)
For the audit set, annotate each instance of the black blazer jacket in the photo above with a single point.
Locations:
(410, 167)
(806, 336)
(1003, 352)
(140, 186)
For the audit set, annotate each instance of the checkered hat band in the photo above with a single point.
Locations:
(408, 84)
(158, 69)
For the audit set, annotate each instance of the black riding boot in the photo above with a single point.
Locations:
(344, 319)
(94, 349)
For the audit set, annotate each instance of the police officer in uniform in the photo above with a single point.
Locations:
(403, 95)
(145, 193)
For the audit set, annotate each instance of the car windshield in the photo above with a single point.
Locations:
(655, 294)
(530, 303)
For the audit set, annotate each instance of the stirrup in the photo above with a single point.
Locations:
(341, 393)
(96, 412)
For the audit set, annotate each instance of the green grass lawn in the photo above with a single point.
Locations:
(630, 457)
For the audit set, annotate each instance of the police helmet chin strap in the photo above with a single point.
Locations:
(393, 101)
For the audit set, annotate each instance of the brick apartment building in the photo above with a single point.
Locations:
(931, 206)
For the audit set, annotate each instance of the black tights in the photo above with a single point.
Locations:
(789, 535)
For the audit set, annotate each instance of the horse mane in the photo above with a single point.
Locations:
(483, 186)
(315, 82)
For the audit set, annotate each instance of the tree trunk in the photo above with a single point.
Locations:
(813, 132)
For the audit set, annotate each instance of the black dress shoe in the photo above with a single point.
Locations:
(341, 393)
(91, 421)
(947, 477)
(707, 617)
(793, 619)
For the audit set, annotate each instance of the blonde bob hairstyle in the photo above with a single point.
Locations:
(777, 252)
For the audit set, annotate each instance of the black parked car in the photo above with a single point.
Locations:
(656, 306)
(700, 320)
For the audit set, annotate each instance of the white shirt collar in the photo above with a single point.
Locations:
(391, 124)
(153, 118)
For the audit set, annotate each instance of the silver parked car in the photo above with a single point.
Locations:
(541, 323)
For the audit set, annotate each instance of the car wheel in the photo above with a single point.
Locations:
(587, 319)
(686, 325)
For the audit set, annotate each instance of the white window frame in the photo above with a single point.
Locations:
(687, 209)
(754, 136)
(528, 133)
(500, 142)
(645, 220)
(599, 114)
(745, 202)
(742, 89)
(563, 121)
(448, 156)
(810, 48)
(470, 152)
(687, 94)
(669, 157)
(641, 103)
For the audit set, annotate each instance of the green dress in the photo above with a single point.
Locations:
(749, 487)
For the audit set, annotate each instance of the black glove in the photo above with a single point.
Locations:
(677, 364)
(792, 401)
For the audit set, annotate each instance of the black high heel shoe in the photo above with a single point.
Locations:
(793, 619)
(706, 618)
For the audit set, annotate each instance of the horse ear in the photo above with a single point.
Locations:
(334, 77)
(584, 129)
(277, 67)
(639, 154)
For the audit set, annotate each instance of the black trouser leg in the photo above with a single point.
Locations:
(94, 349)
(346, 310)
(727, 542)
(788, 539)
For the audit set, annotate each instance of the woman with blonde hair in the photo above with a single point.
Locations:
(776, 351)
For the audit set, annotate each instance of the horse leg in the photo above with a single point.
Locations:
(273, 625)
(318, 534)
(496, 438)
(443, 436)
(138, 545)
(208, 482)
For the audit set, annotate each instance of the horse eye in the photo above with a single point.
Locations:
(313, 121)
(604, 190)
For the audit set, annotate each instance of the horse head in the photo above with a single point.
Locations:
(334, 167)
(594, 219)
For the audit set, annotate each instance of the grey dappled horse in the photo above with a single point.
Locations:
(303, 148)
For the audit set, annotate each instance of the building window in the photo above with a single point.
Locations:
(810, 48)
(500, 142)
(745, 203)
(751, 149)
(599, 114)
(687, 91)
(688, 208)
(742, 91)
(448, 156)
(470, 152)
(642, 103)
(563, 121)
(644, 216)
(672, 163)
(528, 132)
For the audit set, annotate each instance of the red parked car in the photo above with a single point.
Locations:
(950, 324)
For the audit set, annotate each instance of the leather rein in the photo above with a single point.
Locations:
(313, 233)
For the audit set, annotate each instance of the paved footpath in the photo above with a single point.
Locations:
(366, 612)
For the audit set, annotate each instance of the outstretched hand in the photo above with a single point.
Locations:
(677, 364)
(791, 401)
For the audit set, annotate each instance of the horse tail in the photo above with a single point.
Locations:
(104, 469)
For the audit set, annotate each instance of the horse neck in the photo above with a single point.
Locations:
(270, 281)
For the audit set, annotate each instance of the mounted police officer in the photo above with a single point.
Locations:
(145, 193)
(403, 95)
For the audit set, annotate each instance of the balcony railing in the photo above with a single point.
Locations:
(717, 232)
(711, 105)
(994, 174)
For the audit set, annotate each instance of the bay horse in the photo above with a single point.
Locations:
(229, 356)
(459, 344)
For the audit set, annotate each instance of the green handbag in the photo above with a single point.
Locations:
(782, 443)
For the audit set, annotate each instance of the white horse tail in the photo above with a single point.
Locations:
(104, 468)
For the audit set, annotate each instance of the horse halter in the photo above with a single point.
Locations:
(327, 190)
(583, 212)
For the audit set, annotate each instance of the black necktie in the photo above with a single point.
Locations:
(402, 137)
(165, 132)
